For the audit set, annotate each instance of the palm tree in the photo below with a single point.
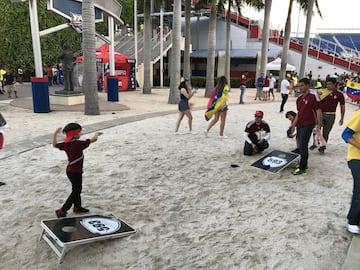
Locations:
(147, 47)
(265, 37)
(187, 70)
(176, 56)
(88, 36)
(258, 4)
(304, 4)
(228, 43)
(210, 63)
(304, 53)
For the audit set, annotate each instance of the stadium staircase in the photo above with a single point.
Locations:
(126, 45)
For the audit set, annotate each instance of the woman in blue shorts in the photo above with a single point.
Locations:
(186, 93)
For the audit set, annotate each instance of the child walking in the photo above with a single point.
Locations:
(74, 151)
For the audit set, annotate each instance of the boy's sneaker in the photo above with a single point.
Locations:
(353, 228)
(322, 150)
(60, 213)
(296, 151)
(298, 171)
(206, 133)
(81, 210)
(312, 147)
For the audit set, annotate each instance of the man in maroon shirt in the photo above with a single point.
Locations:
(309, 116)
(329, 99)
(256, 135)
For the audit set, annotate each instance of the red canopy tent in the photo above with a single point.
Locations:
(124, 67)
(103, 53)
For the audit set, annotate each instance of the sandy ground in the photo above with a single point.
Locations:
(190, 209)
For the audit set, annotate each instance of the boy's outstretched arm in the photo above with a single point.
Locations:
(54, 140)
(95, 137)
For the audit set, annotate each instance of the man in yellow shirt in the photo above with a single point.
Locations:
(351, 135)
(2, 76)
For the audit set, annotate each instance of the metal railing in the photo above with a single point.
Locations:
(126, 45)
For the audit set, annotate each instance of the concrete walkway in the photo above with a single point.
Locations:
(352, 261)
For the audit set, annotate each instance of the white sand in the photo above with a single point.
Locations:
(191, 210)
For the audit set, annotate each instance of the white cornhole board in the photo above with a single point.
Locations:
(277, 160)
(64, 233)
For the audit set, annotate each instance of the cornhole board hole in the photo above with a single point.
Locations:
(63, 234)
(276, 161)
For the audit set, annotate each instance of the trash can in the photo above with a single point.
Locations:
(40, 95)
(112, 88)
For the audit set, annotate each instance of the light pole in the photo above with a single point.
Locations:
(34, 22)
(161, 46)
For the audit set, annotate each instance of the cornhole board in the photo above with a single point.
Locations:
(62, 234)
(277, 160)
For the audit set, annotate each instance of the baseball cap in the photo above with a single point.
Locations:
(259, 113)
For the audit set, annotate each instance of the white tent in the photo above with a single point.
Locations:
(276, 64)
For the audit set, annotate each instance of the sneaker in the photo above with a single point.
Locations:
(353, 228)
(60, 213)
(206, 133)
(298, 167)
(296, 151)
(312, 147)
(81, 210)
(298, 171)
(322, 150)
(192, 132)
(223, 137)
(176, 133)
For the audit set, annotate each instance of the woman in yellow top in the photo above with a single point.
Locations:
(220, 106)
(351, 135)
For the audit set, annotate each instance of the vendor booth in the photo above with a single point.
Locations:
(124, 68)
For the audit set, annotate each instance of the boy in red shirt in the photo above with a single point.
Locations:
(309, 116)
(74, 150)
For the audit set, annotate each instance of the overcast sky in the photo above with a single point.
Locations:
(336, 14)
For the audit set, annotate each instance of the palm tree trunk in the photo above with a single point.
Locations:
(228, 43)
(90, 79)
(286, 44)
(187, 69)
(176, 56)
(265, 37)
(210, 65)
(147, 47)
(304, 53)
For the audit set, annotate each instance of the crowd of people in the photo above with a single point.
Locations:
(315, 116)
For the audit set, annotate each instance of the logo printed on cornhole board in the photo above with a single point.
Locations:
(275, 161)
(101, 225)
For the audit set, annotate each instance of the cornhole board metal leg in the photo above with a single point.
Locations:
(60, 251)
